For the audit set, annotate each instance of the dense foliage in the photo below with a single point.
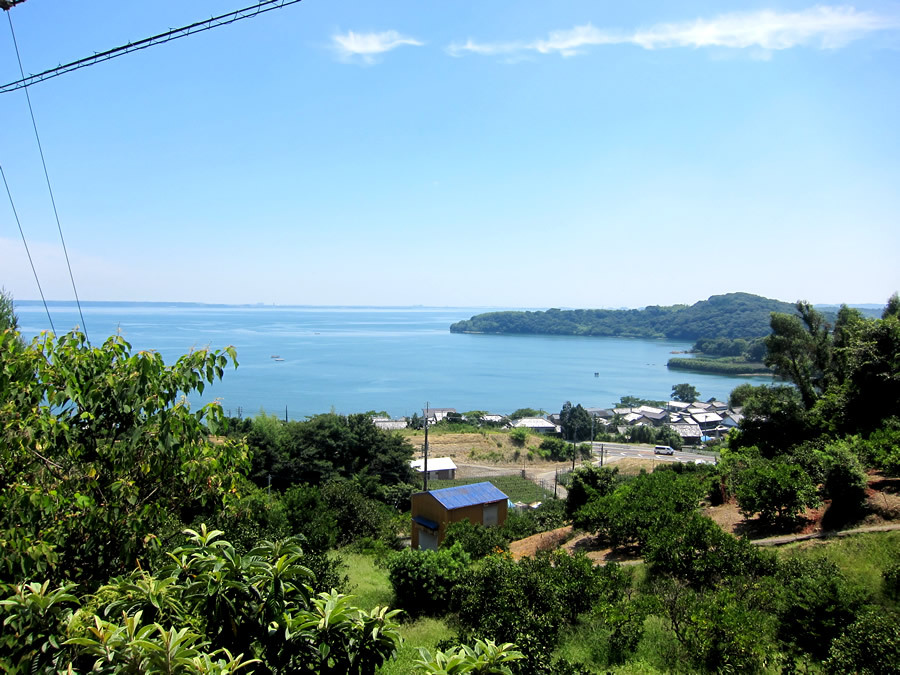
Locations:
(101, 454)
(734, 315)
(324, 448)
(209, 609)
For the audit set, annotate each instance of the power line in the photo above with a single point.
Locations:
(47, 176)
(31, 262)
(172, 34)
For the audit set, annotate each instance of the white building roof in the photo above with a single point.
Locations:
(434, 464)
(533, 423)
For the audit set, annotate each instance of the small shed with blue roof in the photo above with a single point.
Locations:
(432, 511)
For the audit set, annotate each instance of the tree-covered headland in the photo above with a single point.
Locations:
(732, 316)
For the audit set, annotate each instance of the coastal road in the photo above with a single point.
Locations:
(613, 452)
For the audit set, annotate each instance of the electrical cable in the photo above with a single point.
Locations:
(47, 176)
(22, 232)
(172, 34)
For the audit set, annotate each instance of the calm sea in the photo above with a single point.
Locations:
(391, 359)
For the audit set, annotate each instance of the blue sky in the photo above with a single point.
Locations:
(578, 154)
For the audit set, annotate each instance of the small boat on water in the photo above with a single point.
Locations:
(274, 356)
(278, 359)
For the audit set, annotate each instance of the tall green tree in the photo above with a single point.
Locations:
(8, 318)
(101, 453)
(575, 422)
(685, 392)
(800, 350)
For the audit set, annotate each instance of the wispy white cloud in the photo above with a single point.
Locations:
(367, 46)
(824, 27)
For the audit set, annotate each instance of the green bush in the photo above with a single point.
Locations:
(815, 605)
(775, 489)
(528, 602)
(521, 523)
(519, 437)
(695, 550)
(589, 482)
(640, 507)
(891, 578)
(868, 646)
(423, 580)
(555, 449)
(474, 538)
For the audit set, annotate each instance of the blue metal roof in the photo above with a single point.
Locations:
(422, 520)
(468, 495)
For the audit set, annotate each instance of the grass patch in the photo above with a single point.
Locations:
(862, 557)
(368, 584)
(516, 488)
(424, 632)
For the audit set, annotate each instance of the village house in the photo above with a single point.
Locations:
(434, 510)
(439, 468)
(435, 415)
(537, 425)
(387, 424)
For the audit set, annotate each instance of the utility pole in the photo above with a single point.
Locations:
(426, 447)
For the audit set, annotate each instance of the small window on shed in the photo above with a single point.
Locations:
(490, 514)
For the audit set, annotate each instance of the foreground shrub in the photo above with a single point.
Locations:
(474, 538)
(211, 610)
(777, 490)
(423, 580)
(868, 646)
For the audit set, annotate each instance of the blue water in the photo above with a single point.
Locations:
(391, 359)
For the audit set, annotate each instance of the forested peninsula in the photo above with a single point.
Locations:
(733, 315)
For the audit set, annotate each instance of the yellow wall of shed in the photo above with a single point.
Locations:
(426, 506)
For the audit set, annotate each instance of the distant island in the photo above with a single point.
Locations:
(733, 315)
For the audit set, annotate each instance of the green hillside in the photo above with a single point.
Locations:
(733, 315)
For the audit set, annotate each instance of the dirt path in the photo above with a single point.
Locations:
(563, 538)
(791, 538)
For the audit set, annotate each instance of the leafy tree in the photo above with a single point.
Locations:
(555, 449)
(193, 614)
(868, 646)
(521, 413)
(101, 453)
(815, 605)
(527, 602)
(589, 482)
(845, 481)
(697, 551)
(722, 630)
(685, 392)
(485, 658)
(575, 422)
(800, 350)
(740, 394)
(423, 580)
(639, 508)
(326, 447)
(892, 308)
(637, 402)
(779, 491)
(774, 420)
(8, 318)
(474, 538)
